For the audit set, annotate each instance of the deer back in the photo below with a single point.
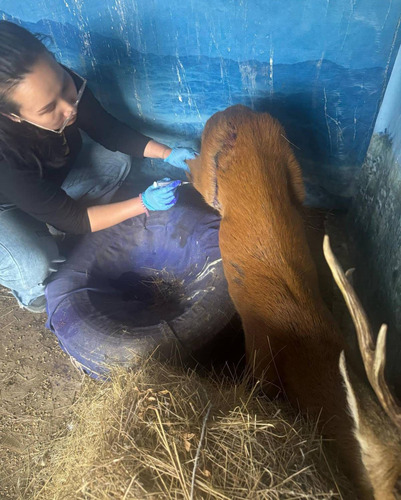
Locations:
(247, 171)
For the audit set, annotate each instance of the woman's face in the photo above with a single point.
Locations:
(46, 95)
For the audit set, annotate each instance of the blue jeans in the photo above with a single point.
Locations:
(26, 246)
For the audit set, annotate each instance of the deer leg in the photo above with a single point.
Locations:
(263, 358)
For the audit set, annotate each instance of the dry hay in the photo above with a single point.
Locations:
(164, 286)
(166, 433)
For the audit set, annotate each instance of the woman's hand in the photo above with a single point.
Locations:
(161, 198)
(178, 157)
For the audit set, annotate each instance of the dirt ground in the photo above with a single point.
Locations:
(37, 387)
(38, 383)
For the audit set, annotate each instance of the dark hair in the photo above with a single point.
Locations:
(19, 52)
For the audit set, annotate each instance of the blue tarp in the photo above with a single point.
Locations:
(165, 67)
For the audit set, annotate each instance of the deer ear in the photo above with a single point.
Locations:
(295, 180)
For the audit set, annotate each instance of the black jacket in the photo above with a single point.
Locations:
(42, 196)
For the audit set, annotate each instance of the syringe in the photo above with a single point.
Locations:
(166, 183)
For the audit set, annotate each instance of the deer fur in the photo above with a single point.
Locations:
(248, 172)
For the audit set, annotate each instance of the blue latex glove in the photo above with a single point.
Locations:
(178, 156)
(161, 198)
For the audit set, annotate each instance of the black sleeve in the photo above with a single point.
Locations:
(103, 128)
(42, 199)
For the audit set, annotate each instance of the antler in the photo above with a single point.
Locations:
(374, 357)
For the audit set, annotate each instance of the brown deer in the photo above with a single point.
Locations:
(377, 419)
(248, 172)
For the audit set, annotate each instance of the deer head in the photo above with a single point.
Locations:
(376, 414)
(235, 142)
